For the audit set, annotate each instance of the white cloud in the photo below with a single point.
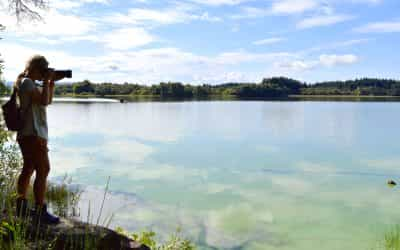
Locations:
(251, 12)
(279, 7)
(367, 1)
(333, 60)
(350, 42)
(219, 2)
(176, 14)
(55, 24)
(297, 65)
(64, 4)
(293, 6)
(170, 64)
(317, 21)
(136, 16)
(319, 8)
(337, 45)
(323, 60)
(71, 4)
(267, 41)
(96, 1)
(127, 38)
(237, 57)
(42, 40)
(206, 17)
(380, 27)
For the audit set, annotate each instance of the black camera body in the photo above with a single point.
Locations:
(62, 73)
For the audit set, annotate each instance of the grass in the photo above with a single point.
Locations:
(390, 240)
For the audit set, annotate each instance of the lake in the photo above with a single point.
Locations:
(236, 174)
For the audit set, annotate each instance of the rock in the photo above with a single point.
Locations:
(76, 235)
(391, 183)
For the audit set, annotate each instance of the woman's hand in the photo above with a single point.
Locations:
(58, 77)
(49, 79)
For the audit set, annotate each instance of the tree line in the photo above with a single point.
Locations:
(271, 87)
(358, 87)
(268, 88)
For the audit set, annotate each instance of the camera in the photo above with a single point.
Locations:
(62, 73)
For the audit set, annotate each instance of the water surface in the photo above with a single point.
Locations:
(237, 174)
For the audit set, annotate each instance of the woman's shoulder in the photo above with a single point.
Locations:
(26, 84)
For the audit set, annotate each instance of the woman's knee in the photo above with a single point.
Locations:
(42, 164)
(43, 171)
(26, 173)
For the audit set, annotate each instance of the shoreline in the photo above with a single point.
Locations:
(223, 97)
(344, 96)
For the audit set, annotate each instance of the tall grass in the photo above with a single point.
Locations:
(391, 239)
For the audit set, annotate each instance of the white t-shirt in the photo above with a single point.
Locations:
(33, 114)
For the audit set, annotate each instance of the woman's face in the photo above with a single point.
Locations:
(38, 74)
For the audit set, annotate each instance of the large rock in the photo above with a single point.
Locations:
(76, 235)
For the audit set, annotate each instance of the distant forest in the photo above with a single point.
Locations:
(268, 88)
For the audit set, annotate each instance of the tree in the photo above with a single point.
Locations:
(85, 87)
(27, 9)
(23, 10)
(3, 88)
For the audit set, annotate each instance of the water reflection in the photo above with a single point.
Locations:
(237, 175)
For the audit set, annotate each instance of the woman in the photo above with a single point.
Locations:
(33, 136)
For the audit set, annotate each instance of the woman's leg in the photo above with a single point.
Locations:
(24, 178)
(42, 167)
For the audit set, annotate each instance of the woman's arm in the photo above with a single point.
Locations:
(45, 96)
(51, 91)
(41, 96)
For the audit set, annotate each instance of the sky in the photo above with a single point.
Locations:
(208, 41)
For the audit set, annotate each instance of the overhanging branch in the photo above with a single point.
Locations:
(27, 9)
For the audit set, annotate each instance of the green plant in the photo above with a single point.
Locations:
(175, 242)
(63, 197)
(391, 240)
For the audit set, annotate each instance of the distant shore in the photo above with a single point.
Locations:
(345, 96)
(224, 97)
(232, 96)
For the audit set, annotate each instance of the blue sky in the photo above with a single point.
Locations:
(209, 41)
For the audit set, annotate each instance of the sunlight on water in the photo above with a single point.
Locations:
(237, 175)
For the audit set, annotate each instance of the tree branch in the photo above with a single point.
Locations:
(27, 9)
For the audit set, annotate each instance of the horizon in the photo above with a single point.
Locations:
(67, 81)
(213, 42)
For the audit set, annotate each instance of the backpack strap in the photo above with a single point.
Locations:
(14, 95)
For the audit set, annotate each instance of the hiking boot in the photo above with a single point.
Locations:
(44, 216)
(22, 207)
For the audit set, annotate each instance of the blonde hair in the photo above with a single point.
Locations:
(36, 62)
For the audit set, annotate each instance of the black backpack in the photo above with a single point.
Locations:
(12, 113)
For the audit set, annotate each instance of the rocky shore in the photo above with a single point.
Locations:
(70, 234)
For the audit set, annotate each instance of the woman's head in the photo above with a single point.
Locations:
(36, 67)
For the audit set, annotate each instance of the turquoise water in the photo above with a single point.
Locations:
(237, 175)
